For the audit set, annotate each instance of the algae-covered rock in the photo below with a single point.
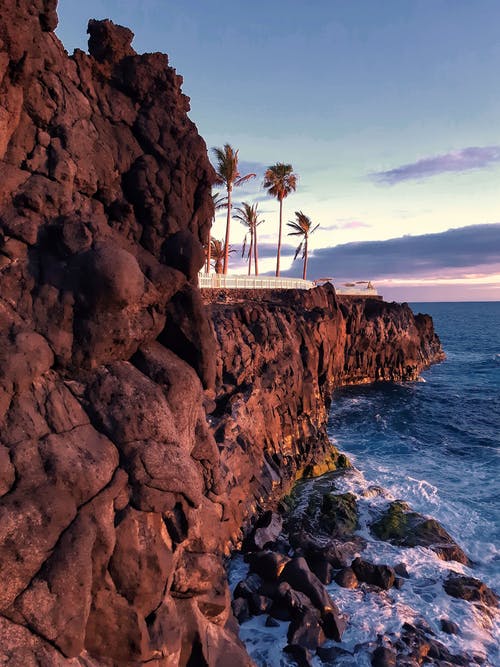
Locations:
(406, 528)
(338, 514)
(333, 462)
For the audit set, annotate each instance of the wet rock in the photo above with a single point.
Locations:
(321, 568)
(289, 603)
(300, 655)
(398, 582)
(297, 573)
(259, 604)
(267, 529)
(384, 657)
(267, 564)
(334, 624)
(338, 553)
(402, 570)
(241, 609)
(470, 589)
(346, 578)
(401, 526)
(306, 630)
(271, 622)
(330, 654)
(449, 627)
(378, 575)
(247, 587)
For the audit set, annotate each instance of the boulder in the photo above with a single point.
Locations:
(382, 576)
(470, 589)
(406, 528)
(346, 578)
(267, 564)
(306, 630)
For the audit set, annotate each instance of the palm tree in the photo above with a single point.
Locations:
(219, 202)
(302, 226)
(229, 176)
(217, 249)
(280, 181)
(249, 217)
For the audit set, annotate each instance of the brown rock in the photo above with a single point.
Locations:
(346, 578)
(378, 575)
(470, 589)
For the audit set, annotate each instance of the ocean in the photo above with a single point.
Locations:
(434, 444)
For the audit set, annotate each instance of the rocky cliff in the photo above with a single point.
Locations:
(137, 433)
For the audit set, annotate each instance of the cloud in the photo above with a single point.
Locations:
(466, 159)
(456, 251)
(248, 167)
(270, 249)
(347, 224)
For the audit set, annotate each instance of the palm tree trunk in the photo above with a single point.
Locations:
(305, 261)
(209, 251)
(279, 241)
(228, 224)
(250, 253)
(255, 253)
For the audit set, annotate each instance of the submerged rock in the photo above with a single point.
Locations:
(401, 526)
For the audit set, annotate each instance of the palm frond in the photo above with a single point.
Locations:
(279, 180)
(298, 251)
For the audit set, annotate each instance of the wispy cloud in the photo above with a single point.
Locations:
(466, 159)
(347, 223)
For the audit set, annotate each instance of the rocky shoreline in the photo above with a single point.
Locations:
(294, 554)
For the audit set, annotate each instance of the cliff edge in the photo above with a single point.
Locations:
(140, 429)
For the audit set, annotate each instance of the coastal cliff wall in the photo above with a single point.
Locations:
(139, 429)
(278, 362)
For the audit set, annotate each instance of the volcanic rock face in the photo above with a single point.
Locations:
(118, 498)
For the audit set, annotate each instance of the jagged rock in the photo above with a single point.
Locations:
(267, 529)
(299, 576)
(299, 654)
(406, 528)
(306, 630)
(321, 567)
(241, 609)
(289, 603)
(384, 657)
(378, 575)
(267, 564)
(247, 587)
(402, 570)
(449, 627)
(271, 622)
(470, 589)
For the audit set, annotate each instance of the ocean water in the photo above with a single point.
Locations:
(436, 445)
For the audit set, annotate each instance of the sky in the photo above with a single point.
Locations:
(389, 112)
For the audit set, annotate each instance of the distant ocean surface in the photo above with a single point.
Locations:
(436, 445)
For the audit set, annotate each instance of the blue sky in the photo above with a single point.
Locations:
(389, 111)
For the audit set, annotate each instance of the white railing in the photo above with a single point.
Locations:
(221, 281)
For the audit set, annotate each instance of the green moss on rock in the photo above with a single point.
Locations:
(406, 528)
